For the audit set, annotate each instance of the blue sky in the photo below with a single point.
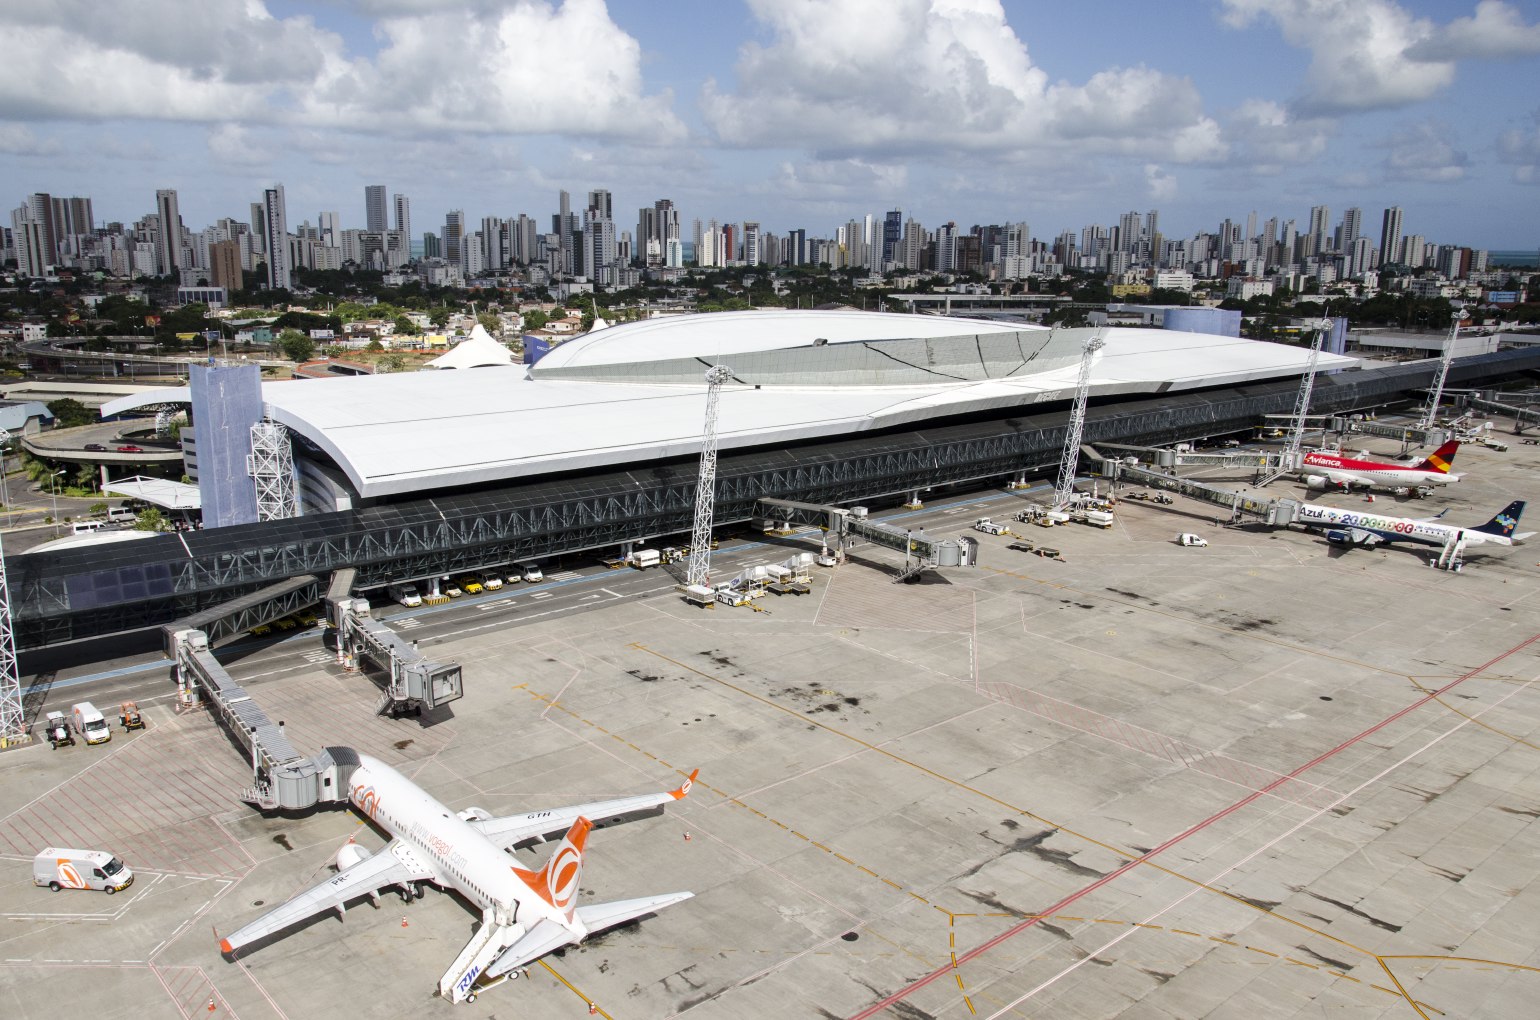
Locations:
(791, 112)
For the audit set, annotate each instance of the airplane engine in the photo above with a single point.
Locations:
(475, 814)
(1316, 481)
(349, 854)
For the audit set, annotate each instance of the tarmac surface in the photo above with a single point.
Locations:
(1263, 778)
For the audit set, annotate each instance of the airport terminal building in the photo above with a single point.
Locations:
(422, 474)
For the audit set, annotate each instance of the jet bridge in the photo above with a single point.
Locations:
(1270, 511)
(412, 682)
(282, 778)
(1523, 417)
(920, 553)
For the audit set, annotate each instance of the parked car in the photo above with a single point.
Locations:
(532, 573)
(450, 588)
(95, 447)
(490, 581)
(130, 448)
(471, 585)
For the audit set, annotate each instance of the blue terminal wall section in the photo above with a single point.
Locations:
(226, 403)
(1214, 321)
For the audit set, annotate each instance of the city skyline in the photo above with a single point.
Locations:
(811, 113)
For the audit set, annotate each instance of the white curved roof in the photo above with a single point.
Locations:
(723, 334)
(394, 434)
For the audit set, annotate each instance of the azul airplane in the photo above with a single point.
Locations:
(1323, 468)
(525, 914)
(1349, 527)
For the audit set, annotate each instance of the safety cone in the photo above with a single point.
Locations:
(593, 1008)
(211, 1004)
(687, 837)
(403, 920)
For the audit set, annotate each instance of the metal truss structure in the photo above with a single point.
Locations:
(13, 718)
(73, 594)
(706, 480)
(271, 467)
(1070, 457)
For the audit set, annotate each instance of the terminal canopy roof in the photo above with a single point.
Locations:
(159, 492)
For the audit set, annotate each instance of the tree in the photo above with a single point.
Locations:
(535, 319)
(390, 363)
(150, 519)
(439, 316)
(69, 413)
(295, 345)
(406, 327)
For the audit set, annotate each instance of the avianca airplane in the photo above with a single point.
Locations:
(1349, 527)
(525, 914)
(1322, 468)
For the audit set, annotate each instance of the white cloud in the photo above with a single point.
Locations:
(1267, 136)
(847, 77)
(1423, 152)
(19, 140)
(1495, 31)
(525, 67)
(1161, 185)
(529, 68)
(1359, 51)
(1521, 148)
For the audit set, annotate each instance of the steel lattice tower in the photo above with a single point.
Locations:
(272, 468)
(1443, 373)
(1289, 459)
(706, 484)
(13, 720)
(1071, 457)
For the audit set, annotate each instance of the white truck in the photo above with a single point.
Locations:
(989, 527)
(61, 868)
(406, 594)
(1188, 538)
(641, 559)
(90, 723)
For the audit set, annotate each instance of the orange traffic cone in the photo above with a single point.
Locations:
(211, 1004)
(593, 1008)
(687, 837)
(403, 920)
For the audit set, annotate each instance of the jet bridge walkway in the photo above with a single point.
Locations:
(413, 681)
(920, 553)
(282, 778)
(1269, 511)
(1523, 417)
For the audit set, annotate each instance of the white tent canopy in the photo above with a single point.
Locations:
(159, 492)
(477, 352)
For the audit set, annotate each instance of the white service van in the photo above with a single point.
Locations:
(1188, 538)
(90, 723)
(60, 868)
(122, 515)
(86, 527)
(532, 573)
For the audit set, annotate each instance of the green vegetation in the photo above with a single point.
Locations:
(150, 519)
(69, 413)
(295, 345)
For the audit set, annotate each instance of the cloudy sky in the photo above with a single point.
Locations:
(791, 112)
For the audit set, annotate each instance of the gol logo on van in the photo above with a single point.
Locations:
(68, 876)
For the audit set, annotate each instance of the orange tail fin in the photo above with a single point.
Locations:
(1442, 459)
(557, 882)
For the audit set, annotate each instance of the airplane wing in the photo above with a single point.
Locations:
(512, 831)
(548, 936)
(397, 864)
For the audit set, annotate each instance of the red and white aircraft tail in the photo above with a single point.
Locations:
(1322, 468)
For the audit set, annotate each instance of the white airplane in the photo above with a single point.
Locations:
(1325, 467)
(1349, 527)
(525, 914)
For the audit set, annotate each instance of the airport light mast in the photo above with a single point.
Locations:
(1070, 460)
(1443, 372)
(706, 481)
(1294, 445)
(13, 718)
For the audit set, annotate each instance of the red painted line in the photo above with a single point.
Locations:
(904, 993)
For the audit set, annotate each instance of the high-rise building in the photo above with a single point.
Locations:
(275, 235)
(374, 209)
(1352, 229)
(892, 234)
(258, 232)
(454, 235)
(330, 229)
(599, 203)
(752, 255)
(403, 215)
(1390, 236)
(431, 249)
(225, 265)
(168, 239)
(524, 245)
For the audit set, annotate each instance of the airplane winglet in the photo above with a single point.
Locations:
(225, 947)
(684, 789)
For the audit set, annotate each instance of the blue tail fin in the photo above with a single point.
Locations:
(1504, 523)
